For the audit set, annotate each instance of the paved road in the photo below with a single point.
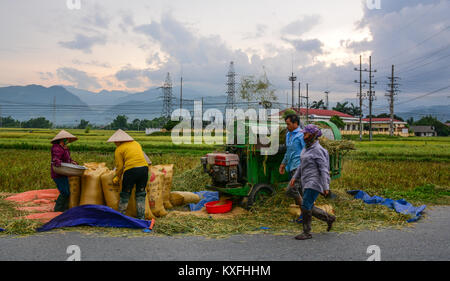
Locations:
(428, 240)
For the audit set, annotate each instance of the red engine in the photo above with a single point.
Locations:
(222, 167)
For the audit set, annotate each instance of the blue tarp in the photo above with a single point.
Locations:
(94, 215)
(400, 206)
(205, 197)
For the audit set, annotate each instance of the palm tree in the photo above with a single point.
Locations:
(318, 105)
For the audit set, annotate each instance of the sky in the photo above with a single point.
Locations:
(131, 45)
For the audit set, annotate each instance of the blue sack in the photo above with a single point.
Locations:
(400, 206)
(1, 229)
(94, 215)
(205, 197)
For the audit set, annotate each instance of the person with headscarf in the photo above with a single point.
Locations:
(315, 177)
(60, 154)
(132, 167)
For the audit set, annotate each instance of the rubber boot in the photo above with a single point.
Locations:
(59, 204)
(66, 201)
(307, 218)
(323, 216)
(140, 205)
(123, 203)
(62, 203)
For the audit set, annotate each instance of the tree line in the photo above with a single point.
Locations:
(120, 122)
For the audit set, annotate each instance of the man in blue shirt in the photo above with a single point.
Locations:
(291, 161)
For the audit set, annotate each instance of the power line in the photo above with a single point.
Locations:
(417, 45)
(426, 95)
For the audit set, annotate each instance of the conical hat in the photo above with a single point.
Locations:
(64, 135)
(119, 136)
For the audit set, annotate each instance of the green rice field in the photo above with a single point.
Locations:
(416, 169)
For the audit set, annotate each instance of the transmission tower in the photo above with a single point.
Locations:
(231, 87)
(167, 97)
(392, 92)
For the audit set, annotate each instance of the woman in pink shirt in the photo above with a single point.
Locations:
(60, 154)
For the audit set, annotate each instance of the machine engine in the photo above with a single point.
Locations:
(223, 168)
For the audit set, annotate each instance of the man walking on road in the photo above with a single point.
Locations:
(291, 161)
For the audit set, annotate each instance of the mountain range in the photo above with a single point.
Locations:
(68, 105)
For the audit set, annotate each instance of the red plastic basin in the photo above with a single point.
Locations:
(212, 208)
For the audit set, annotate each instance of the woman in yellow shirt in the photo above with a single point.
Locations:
(132, 167)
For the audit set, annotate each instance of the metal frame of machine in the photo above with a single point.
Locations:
(243, 172)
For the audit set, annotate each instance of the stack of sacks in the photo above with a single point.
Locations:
(96, 187)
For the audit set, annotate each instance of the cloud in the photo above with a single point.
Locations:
(92, 62)
(79, 78)
(312, 46)
(261, 30)
(412, 35)
(127, 21)
(97, 17)
(46, 75)
(133, 77)
(84, 43)
(203, 58)
(301, 26)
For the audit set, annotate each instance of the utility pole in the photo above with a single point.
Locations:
(371, 96)
(299, 96)
(307, 103)
(391, 94)
(202, 115)
(361, 96)
(293, 78)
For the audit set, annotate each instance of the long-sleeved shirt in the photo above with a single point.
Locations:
(294, 146)
(60, 155)
(315, 168)
(128, 155)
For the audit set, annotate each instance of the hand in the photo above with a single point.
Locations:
(326, 192)
(75, 163)
(282, 169)
(116, 180)
(292, 182)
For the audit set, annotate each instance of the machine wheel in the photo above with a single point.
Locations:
(259, 193)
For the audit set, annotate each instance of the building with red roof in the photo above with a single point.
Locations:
(351, 122)
(379, 125)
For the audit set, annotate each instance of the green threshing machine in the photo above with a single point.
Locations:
(242, 171)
